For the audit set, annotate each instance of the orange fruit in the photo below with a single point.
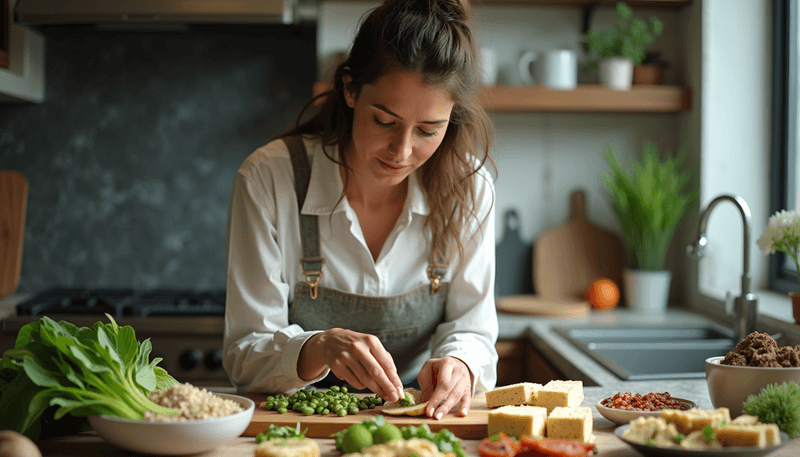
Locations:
(603, 293)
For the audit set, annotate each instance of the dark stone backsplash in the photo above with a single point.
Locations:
(130, 158)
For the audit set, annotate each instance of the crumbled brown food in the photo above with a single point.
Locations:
(761, 350)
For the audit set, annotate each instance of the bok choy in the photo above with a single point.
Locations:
(59, 367)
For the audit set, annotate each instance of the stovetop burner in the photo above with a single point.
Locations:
(118, 303)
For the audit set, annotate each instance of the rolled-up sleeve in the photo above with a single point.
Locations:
(469, 331)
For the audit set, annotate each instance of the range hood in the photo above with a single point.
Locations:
(154, 12)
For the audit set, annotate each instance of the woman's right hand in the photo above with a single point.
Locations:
(358, 359)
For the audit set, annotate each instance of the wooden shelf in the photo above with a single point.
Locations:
(585, 98)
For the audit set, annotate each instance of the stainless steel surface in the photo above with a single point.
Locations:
(642, 353)
(745, 306)
(154, 11)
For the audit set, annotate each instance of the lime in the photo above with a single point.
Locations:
(386, 433)
(356, 438)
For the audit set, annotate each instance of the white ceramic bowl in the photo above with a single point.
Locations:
(729, 386)
(623, 416)
(174, 438)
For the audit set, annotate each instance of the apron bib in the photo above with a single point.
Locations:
(404, 323)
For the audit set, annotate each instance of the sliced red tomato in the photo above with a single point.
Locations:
(548, 447)
(499, 445)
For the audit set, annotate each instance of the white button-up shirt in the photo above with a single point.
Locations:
(261, 348)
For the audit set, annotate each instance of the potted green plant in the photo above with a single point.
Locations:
(648, 198)
(623, 47)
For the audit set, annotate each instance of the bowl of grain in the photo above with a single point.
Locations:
(756, 362)
(206, 420)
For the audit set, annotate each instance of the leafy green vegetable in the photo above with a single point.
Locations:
(77, 371)
(275, 432)
(777, 404)
(678, 438)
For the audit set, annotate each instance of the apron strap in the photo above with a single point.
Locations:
(309, 228)
(436, 270)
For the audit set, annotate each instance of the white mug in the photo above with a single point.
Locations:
(559, 68)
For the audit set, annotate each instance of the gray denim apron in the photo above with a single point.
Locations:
(404, 323)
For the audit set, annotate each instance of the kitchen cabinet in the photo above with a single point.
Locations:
(23, 80)
(519, 361)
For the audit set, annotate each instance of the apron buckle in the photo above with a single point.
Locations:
(312, 276)
(435, 278)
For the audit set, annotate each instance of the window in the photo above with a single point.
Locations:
(785, 163)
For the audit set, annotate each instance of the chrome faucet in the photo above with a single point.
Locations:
(745, 307)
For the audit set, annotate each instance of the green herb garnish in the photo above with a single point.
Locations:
(709, 434)
(275, 432)
(407, 400)
(777, 404)
(678, 438)
(650, 441)
(57, 366)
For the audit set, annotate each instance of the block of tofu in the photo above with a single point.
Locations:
(560, 393)
(695, 419)
(522, 420)
(570, 423)
(742, 435)
(524, 393)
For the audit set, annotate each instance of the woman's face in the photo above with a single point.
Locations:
(398, 122)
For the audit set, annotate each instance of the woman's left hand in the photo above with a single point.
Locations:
(445, 382)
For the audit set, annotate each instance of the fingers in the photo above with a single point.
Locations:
(361, 360)
(451, 383)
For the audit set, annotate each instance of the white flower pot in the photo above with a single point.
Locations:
(616, 73)
(646, 291)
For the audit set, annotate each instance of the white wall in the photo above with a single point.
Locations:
(720, 48)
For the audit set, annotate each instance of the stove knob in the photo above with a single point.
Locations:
(213, 359)
(190, 358)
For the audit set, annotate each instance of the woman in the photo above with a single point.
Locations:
(361, 244)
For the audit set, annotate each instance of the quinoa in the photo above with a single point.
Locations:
(193, 402)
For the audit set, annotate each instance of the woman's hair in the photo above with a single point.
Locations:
(434, 39)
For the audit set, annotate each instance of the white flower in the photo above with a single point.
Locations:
(782, 234)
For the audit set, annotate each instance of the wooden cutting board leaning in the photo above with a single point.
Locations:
(568, 257)
(473, 426)
(13, 202)
(518, 301)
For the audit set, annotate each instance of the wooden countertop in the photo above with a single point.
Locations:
(88, 444)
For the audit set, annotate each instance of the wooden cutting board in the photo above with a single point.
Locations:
(533, 304)
(13, 201)
(567, 258)
(473, 426)
(514, 258)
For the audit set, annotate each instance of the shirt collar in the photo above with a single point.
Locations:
(325, 186)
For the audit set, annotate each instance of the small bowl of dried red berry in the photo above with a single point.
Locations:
(623, 407)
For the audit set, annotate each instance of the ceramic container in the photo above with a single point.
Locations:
(729, 386)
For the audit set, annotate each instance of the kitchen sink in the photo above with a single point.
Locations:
(650, 352)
